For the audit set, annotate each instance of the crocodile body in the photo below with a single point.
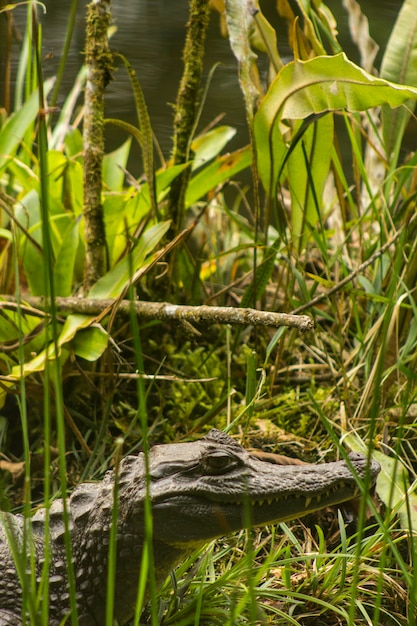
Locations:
(198, 491)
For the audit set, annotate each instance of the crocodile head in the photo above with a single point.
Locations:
(213, 486)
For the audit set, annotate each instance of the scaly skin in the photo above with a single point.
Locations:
(199, 491)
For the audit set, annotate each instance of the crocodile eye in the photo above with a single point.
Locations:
(219, 462)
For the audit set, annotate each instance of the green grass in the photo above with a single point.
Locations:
(288, 576)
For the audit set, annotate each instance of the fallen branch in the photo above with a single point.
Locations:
(165, 311)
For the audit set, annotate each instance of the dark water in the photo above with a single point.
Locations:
(151, 35)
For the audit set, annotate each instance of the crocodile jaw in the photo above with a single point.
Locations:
(191, 520)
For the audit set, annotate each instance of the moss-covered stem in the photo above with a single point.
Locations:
(99, 65)
(187, 105)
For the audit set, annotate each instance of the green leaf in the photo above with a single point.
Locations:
(27, 213)
(114, 165)
(90, 343)
(63, 126)
(399, 64)
(72, 325)
(393, 485)
(112, 284)
(304, 88)
(65, 261)
(123, 213)
(15, 327)
(8, 329)
(18, 123)
(211, 144)
(73, 143)
(220, 170)
(90, 346)
(74, 186)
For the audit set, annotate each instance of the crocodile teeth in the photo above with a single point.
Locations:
(308, 502)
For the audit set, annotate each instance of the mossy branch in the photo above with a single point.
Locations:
(165, 311)
(99, 66)
(187, 105)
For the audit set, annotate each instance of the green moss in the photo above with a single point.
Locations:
(293, 411)
(188, 401)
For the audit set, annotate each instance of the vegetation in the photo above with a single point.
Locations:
(326, 228)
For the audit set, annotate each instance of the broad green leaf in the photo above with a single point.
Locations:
(65, 261)
(72, 325)
(18, 123)
(8, 329)
(74, 186)
(90, 343)
(73, 143)
(112, 284)
(399, 64)
(304, 88)
(6, 234)
(164, 178)
(393, 488)
(220, 170)
(114, 165)
(124, 213)
(57, 167)
(211, 144)
(27, 213)
(90, 346)
(16, 326)
(119, 212)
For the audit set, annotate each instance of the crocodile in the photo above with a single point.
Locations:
(197, 491)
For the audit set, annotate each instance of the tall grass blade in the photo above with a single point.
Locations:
(399, 65)
(55, 374)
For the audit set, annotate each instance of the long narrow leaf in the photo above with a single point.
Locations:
(239, 19)
(399, 64)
